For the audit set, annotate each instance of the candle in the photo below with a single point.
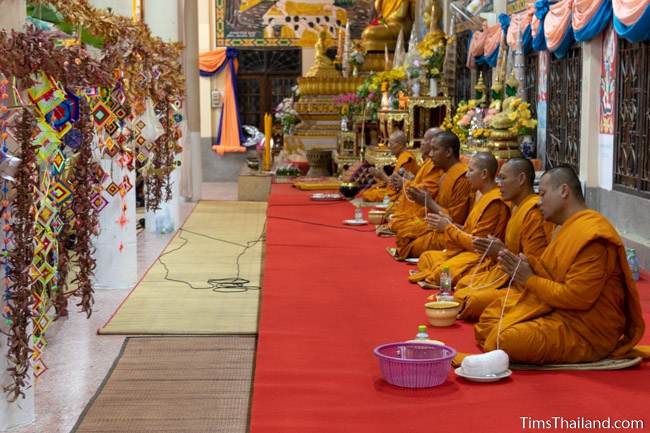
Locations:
(339, 46)
(267, 141)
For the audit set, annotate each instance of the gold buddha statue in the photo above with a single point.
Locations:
(392, 15)
(323, 66)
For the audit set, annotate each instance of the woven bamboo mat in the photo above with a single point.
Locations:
(160, 306)
(175, 384)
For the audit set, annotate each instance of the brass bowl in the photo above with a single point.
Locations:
(442, 313)
(376, 216)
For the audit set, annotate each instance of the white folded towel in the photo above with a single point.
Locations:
(490, 363)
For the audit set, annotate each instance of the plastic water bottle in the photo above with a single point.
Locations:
(422, 334)
(358, 214)
(633, 261)
(445, 293)
(386, 200)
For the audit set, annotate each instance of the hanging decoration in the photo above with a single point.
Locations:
(19, 294)
(520, 23)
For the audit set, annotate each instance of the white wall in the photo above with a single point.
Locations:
(590, 110)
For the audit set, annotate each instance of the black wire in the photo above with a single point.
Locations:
(219, 285)
(321, 224)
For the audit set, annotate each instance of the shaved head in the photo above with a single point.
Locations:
(486, 161)
(397, 137)
(525, 166)
(449, 140)
(431, 132)
(565, 175)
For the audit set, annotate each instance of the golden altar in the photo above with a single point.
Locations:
(426, 112)
(390, 121)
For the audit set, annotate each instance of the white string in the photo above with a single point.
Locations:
(471, 280)
(505, 300)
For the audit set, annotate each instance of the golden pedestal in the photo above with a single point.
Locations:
(380, 156)
(319, 86)
(426, 112)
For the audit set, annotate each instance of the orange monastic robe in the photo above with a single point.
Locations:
(527, 233)
(455, 197)
(404, 210)
(489, 216)
(405, 160)
(581, 305)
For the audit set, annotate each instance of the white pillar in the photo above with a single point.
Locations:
(590, 110)
(117, 268)
(163, 22)
(21, 412)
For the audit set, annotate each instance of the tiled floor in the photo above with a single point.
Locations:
(78, 358)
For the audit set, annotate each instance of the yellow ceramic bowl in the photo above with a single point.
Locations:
(376, 216)
(442, 313)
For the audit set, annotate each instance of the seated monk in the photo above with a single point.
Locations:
(489, 216)
(526, 233)
(453, 199)
(427, 178)
(405, 159)
(578, 301)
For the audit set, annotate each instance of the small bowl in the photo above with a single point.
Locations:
(376, 217)
(442, 313)
(302, 166)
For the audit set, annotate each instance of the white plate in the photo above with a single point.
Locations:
(355, 222)
(412, 260)
(320, 196)
(494, 378)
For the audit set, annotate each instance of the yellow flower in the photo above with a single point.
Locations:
(512, 116)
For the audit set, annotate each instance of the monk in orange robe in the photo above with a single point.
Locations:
(489, 216)
(578, 301)
(427, 178)
(453, 200)
(526, 232)
(405, 160)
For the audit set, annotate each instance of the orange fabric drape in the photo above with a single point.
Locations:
(229, 139)
(476, 47)
(629, 11)
(518, 23)
(556, 23)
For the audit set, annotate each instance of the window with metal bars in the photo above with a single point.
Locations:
(563, 118)
(632, 126)
(265, 77)
(463, 76)
(531, 84)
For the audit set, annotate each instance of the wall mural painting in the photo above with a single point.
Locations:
(608, 82)
(514, 6)
(248, 23)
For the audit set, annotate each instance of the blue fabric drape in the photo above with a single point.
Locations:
(639, 31)
(491, 59)
(597, 24)
(567, 41)
(527, 40)
(541, 9)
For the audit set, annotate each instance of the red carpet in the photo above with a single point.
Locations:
(331, 294)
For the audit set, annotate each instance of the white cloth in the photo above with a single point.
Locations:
(494, 362)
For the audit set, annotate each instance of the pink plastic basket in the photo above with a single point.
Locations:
(414, 365)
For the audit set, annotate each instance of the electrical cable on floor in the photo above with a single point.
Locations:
(322, 225)
(220, 285)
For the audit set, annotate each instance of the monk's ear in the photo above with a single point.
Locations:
(564, 191)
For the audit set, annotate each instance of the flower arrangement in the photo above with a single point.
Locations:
(286, 115)
(369, 97)
(432, 53)
(349, 103)
(519, 112)
(357, 56)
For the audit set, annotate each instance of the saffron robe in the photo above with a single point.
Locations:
(581, 305)
(405, 160)
(527, 233)
(455, 197)
(404, 210)
(489, 216)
